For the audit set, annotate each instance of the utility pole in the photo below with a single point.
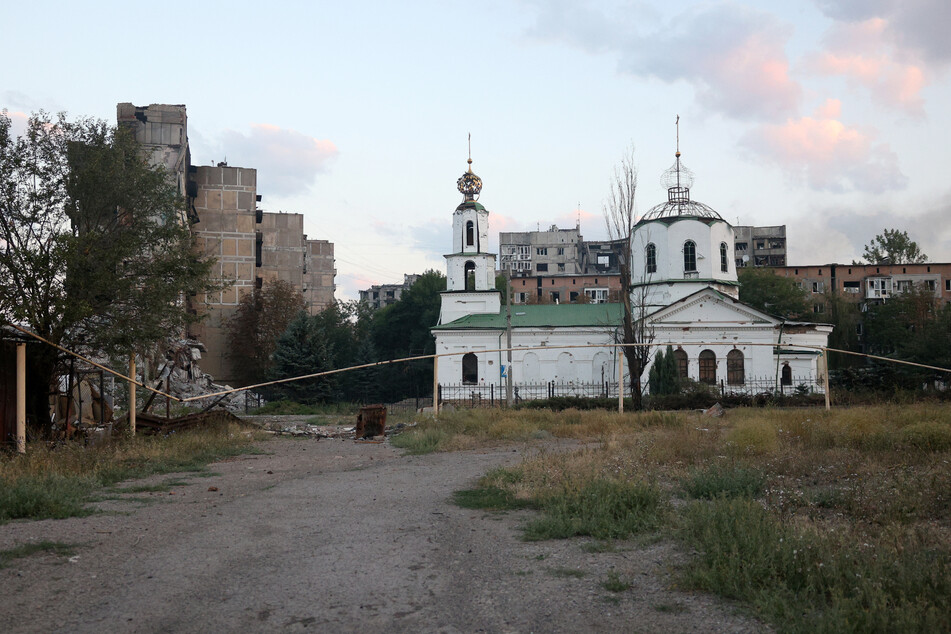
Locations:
(508, 336)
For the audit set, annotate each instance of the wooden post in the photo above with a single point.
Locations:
(825, 377)
(435, 386)
(21, 398)
(620, 379)
(132, 394)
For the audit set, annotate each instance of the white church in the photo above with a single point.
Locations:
(684, 283)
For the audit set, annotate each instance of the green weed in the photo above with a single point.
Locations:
(614, 583)
(25, 550)
(603, 509)
(720, 480)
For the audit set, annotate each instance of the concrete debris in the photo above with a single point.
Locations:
(715, 411)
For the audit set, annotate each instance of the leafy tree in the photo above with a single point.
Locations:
(893, 247)
(262, 316)
(780, 296)
(845, 316)
(663, 377)
(93, 256)
(403, 330)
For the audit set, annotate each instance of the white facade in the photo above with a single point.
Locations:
(684, 284)
(673, 274)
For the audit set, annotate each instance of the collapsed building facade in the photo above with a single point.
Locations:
(249, 246)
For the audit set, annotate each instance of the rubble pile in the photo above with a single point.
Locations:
(186, 380)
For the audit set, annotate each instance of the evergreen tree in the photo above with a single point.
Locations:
(304, 349)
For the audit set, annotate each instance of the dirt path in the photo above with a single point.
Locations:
(333, 536)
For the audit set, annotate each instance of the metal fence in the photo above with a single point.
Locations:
(492, 395)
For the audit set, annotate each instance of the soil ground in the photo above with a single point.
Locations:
(336, 536)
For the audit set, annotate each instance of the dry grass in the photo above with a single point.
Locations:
(57, 481)
(865, 493)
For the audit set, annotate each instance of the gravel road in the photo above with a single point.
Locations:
(334, 536)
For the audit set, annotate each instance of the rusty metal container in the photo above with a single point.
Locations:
(371, 421)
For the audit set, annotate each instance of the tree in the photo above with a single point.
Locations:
(403, 330)
(92, 254)
(764, 290)
(664, 377)
(620, 218)
(262, 316)
(893, 247)
(913, 327)
(301, 350)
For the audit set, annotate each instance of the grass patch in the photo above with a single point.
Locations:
(615, 583)
(58, 482)
(25, 550)
(726, 481)
(810, 582)
(816, 520)
(570, 573)
(602, 509)
(421, 441)
(489, 499)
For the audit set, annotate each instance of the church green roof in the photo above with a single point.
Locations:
(542, 316)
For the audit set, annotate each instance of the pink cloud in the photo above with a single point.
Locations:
(827, 154)
(287, 161)
(18, 122)
(734, 56)
(862, 53)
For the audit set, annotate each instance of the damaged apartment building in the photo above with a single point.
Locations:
(250, 246)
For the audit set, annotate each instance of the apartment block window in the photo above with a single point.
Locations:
(760, 244)
(851, 287)
(596, 295)
(931, 285)
(561, 267)
(541, 251)
(819, 308)
(741, 246)
(651, 258)
(724, 263)
(690, 256)
(818, 287)
(521, 298)
(555, 297)
(541, 268)
(947, 285)
(561, 251)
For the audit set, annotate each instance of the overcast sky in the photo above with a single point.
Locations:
(824, 115)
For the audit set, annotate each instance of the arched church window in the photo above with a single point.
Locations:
(470, 369)
(681, 357)
(724, 263)
(470, 276)
(787, 375)
(708, 367)
(470, 233)
(735, 372)
(690, 256)
(651, 258)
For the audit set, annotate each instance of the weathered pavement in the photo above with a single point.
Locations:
(334, 536)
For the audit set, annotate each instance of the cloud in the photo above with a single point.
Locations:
(18, 122)
(859, 52)
(287, 161)
(733, 56)
(917, 28)
(827, 154)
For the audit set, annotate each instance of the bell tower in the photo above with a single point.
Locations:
(470, 268)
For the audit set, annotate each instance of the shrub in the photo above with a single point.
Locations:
(604, 509)
(723, 481)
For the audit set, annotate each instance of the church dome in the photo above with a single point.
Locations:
(677, 179)
(469, 184)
